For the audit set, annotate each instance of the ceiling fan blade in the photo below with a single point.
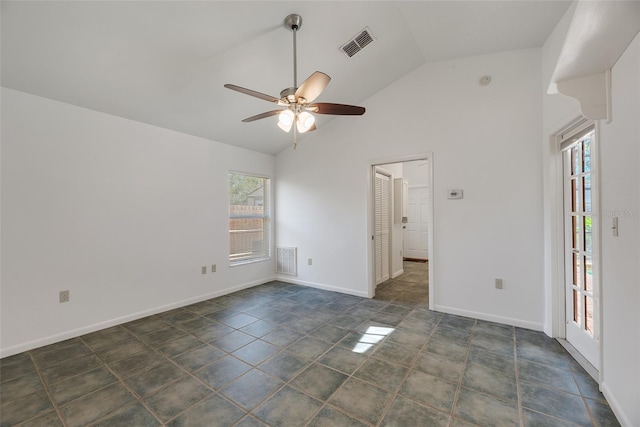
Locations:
(337, 109)
(262, 116)
(252, 93)
(311, 88)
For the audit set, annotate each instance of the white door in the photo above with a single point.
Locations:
(416, 230)
(382, 236)
(580, 263)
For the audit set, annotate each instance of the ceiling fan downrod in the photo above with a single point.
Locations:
(293, 23)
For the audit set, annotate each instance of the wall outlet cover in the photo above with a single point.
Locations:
(64, 296)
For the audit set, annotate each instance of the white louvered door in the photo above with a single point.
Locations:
(382, 218)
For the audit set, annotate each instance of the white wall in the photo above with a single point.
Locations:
(417, 172)
(620, 190)
(557, 112)
(121, 213)
(484, 140)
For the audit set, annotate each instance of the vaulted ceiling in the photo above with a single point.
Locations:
(165, 62)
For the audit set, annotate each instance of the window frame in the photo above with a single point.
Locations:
(266, 252)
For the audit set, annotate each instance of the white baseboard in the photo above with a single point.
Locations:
(615, 405)
(52, 339)
(289, 279)
(491, 318)
(580, 359)
(397, 273)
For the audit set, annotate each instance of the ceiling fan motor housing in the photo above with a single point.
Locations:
(289, 93)
(293, 22)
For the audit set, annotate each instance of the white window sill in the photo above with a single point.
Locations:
(249, 261)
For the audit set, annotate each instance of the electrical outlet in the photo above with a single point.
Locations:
(310, 261)
(204, 269)
(64, 296)
(498, 283)
(213, 268)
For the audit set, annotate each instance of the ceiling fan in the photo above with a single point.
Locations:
(298, 101)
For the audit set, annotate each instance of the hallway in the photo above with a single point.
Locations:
(410, 288)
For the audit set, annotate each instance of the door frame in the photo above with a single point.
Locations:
(370, 219)
(580, 340)
(558, 297)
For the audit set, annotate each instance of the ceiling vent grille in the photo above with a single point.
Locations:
(356, 44)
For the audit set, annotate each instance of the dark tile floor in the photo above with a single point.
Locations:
(287, 355)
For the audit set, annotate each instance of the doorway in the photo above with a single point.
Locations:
(409, 253)
(580, 243)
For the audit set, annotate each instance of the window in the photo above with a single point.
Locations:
(249, 230)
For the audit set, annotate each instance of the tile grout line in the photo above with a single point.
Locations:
(123, 383)
(316, 360)
(138, 337)
(141, 400)
(395, 393)
(517, 373)
(45, 385)
(464, 368)
(287, 383)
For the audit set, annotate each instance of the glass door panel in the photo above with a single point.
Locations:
(581, 299)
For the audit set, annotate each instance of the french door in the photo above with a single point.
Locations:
(582, 298)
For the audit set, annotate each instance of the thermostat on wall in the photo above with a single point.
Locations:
(454, 194)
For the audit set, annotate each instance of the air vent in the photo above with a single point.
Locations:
(287, 261)
(358, 43)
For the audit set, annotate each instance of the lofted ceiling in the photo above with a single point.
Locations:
(165, 62)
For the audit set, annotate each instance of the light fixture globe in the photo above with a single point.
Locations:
(285, 120)
(304, 121)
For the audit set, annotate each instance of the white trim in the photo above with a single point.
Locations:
(578, 357)
(370, 222)
(245, 261)
(397, 273)
(400, 159)
(419, 186)
(288, 279)
(558, 251)
(536, 326)
(615, 406)
(52, 339)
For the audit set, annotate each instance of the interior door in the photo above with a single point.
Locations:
(580, 263)
(416, 230)
(382, 225)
